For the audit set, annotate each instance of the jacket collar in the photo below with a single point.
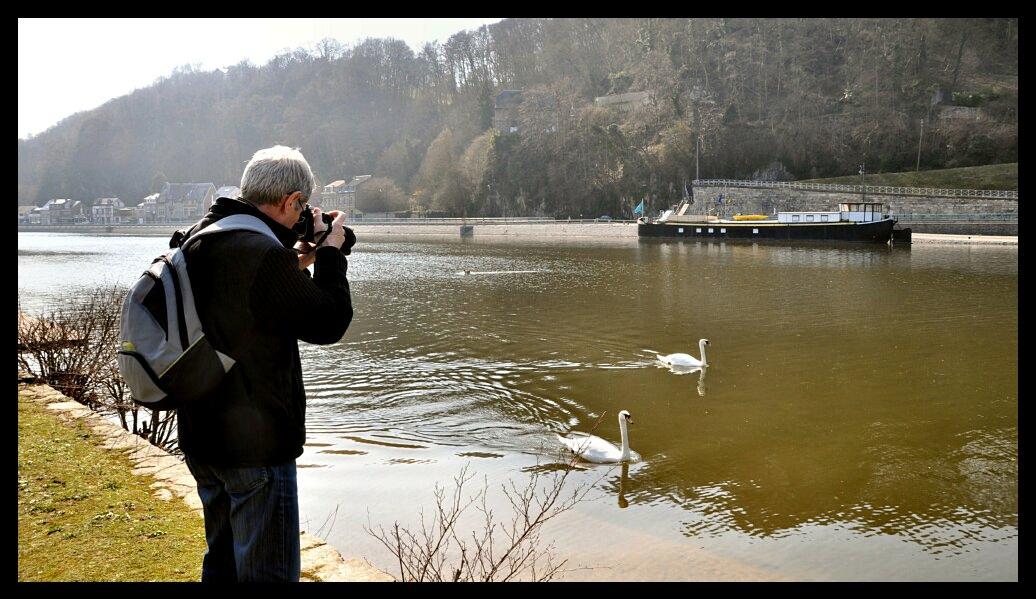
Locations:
(228, 206)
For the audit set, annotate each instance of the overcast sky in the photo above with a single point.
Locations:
(70, 65)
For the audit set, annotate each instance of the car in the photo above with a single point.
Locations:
(604, 218)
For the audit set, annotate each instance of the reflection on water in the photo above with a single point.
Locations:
(623, 483)
(840, 436)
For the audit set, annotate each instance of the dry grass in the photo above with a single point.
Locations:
(83, 515)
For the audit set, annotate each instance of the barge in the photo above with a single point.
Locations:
(863, 222)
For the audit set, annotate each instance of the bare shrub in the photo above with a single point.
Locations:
(70, 346)
(73, 349)
(509, 550)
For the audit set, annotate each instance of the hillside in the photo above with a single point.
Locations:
(716, 98)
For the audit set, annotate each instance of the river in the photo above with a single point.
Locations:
(858, 419)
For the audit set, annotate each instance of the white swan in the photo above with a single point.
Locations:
(685, 360)
(595, 449)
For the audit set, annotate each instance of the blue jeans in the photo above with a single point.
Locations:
(251, 523)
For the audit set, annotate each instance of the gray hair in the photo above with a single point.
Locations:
(275, 172)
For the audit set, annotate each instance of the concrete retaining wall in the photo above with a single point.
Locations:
(555, 230)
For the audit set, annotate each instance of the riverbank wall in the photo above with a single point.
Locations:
(549, 231)
(320, 561)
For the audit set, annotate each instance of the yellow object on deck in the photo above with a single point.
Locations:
(749, 217)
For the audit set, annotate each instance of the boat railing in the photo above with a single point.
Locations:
(872, 189)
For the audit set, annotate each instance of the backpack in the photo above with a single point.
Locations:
(164, 356)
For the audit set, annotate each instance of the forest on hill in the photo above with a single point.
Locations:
(724, 98)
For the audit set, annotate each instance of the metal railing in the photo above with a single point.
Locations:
(873, 189)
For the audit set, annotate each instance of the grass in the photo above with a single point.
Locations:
(992, 176)
(83, 515)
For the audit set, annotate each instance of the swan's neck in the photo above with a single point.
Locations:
(625, 438)
(701, 348)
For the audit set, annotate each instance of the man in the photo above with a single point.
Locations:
(255, 297)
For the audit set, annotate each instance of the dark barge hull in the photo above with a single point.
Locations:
(872, 232)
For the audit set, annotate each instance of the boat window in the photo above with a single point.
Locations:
(795, 218)
(722, 230)
(823, 218)
(710, 229)
(697, 229)
(755, 231)
(809, 217)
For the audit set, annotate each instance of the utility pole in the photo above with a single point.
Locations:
(863, 190)
(697, 175)
(919, 137)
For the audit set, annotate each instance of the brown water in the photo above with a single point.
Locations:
(857, 421)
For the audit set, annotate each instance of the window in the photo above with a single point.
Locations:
(722, 230)
(795, 218)
(697, 229)
(755, 231)
(809, 217)
(679, 230)
(710, 229)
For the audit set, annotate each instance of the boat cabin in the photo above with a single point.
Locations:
(861, 212)
(808, 217)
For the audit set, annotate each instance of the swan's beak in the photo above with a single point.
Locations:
(629, 419)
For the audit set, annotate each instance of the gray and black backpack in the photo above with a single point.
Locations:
(164, 356)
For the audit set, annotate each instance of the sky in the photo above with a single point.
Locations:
(66, 66)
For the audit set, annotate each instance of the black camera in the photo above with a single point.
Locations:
(304, 229)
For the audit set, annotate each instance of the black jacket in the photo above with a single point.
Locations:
(254, 304)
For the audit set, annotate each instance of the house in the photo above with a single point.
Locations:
(56, 212)
(627, 102)
(505, 110)
(332, 196)
(228, 191)
(179, 202)
(104, 211)
(147, 209)
(79, 213)
(126, 216)
(350, 193)
(339, 195)
(24, 214)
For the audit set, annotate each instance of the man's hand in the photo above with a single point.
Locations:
(318, 222)
(337, 236)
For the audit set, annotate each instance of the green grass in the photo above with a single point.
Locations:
(993, 176)
(83, 515)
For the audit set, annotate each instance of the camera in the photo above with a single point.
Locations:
(304, 229)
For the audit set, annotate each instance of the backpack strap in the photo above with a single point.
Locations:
(235, 222)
